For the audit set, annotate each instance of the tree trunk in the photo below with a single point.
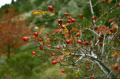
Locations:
(104, 68)
(8, 51)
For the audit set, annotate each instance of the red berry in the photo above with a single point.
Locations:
(35, 34)
(71, 20)
(54, 62)
(68, 41)
(94, 18)
(33, 53)
(25, 38)
(79, 41)
(50, 8)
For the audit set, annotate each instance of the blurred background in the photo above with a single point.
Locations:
(17, 20)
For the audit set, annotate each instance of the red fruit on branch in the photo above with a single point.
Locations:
(33, 53)
(50, 8)
(25, 38)
(79, 41)
(71, 20)
(35, 34)
(54, 62)
(68, 41)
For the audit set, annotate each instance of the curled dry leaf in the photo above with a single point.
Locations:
(114, 27)
(116, 67)
(116, 54)
(103, 29)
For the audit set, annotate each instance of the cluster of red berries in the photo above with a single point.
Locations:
(35, 35)
(71, 20)
(26, 38)
(56, 60)
(80, 42)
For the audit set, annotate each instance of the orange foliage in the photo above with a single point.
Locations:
(11, 32)
(102, 29)
(116, 54)
(116, 67)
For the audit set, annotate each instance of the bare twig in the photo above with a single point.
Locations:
(103, 47)
(93, 32)
(92, 12)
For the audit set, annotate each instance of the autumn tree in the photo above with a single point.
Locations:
(11, 30)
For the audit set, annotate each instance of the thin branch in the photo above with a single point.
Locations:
(80, 58)
(103, 47)
(92, 12)
(93, 32)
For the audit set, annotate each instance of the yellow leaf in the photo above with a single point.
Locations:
(39, 12)
(66, 53)
(65, 30)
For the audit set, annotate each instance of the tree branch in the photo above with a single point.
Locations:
(92, 12)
